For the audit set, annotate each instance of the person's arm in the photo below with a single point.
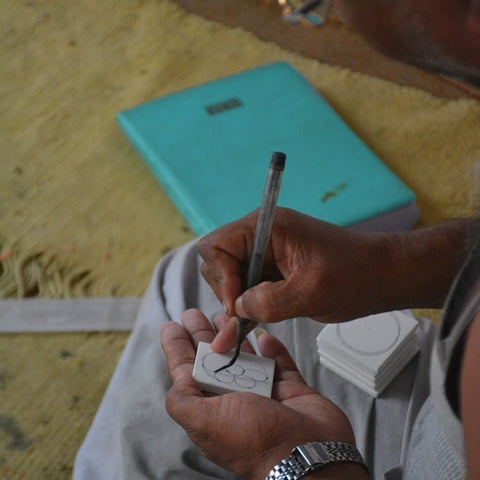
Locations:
(243, 432)
(470, 400)
(420, 265)
(332, 274)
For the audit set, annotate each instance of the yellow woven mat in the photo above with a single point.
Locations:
(80, 214)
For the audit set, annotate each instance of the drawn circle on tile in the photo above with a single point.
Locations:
(224, 376)
(235, 369)
(256, 375)
(245, 382)
(237, 374)
(370, 336)
(210, 362)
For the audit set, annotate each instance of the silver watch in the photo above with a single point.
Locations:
(312, 456)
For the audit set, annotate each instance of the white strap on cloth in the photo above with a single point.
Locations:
(68, 315)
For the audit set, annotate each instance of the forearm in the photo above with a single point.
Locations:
(416, 269)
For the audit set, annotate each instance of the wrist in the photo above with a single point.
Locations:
(416, 269)
(319, 460)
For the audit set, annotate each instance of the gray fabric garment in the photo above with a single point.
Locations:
(436, 447)
(132, 437)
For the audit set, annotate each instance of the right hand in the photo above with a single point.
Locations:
(312, 268)
(331, 274)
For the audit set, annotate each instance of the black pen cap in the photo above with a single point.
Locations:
(278, 160)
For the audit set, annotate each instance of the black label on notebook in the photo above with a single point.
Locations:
(215, 108)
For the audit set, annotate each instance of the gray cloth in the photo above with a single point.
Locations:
(436, 447)
(132, 437)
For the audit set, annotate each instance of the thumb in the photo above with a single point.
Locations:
(273, 301)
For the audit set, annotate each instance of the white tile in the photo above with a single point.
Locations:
(363, 386)
(391, 365)
(371, 341)
(250, 373)
(378, 382)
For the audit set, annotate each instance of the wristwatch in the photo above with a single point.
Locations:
(313, 456)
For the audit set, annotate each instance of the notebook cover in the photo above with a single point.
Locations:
(209, 147)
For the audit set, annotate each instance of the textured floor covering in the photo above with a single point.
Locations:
(80, 215)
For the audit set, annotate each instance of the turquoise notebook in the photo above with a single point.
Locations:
(210, 146)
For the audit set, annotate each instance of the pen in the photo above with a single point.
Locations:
(263, 230)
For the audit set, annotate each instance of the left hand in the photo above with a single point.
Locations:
(244, 432)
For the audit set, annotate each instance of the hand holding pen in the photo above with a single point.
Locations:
(262, 236)
(312, 269)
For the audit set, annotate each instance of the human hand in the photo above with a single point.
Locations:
(244, 432)
(312, 269)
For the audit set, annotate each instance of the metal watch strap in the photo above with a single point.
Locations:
(312, 456)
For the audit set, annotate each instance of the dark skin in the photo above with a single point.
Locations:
(442, 35)
(322, 262)
(257, 430)
(330, 274)
(309, 260)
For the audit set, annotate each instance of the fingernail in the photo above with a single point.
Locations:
(259, 330)
(239, 306)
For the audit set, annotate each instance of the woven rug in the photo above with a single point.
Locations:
(80, 214)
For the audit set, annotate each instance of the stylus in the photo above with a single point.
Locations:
(263, 230)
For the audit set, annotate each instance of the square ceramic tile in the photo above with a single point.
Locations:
(369, 342)
(249, 373)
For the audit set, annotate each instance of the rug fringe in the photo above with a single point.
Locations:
(41, 273)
